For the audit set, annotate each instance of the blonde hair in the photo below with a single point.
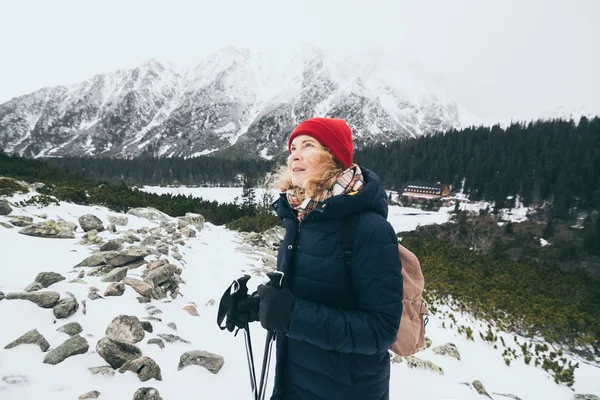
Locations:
(322, 178)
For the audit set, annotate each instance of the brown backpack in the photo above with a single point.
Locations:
(410, 337)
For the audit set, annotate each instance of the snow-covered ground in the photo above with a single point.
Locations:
(209, 263)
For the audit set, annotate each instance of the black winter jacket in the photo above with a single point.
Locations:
(345, 319)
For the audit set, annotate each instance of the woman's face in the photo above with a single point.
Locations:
(305, 156)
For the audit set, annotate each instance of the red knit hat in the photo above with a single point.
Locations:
(335, 134)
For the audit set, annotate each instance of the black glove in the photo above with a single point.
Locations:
(276, 308)
(243, 312)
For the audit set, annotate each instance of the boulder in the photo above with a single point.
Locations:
(191, 310)
(585, 397)
(414, 362)
(147, 326)
(5, 207)
(120, 220)
(50, 229)
(172, 338)
(115, 289)
(72, 346)
(65, 307)
(112, 245)
(210, 361)
(125, 328)
(480, 389)
(149, 213)
(157, 342)
(31, 337)
(94, 394)
(2, 295)
(71, 329)
(91, 238)
(116, 352)
(449, 349)
(48, 278)
(106, 371)
(90, 222)
(145, 368)
(146, 393)
(188, 232)
(21, 221)
(143, 288)
(115, 275)
(33, 287)
(44, 299)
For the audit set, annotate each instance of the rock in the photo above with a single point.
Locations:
(2, 295)
(160, 275)
(114, 258)
(112, 228)
(428, 342)
(120, 220)
(90, 222)
(80, 281)
(5, 207)
(152, 319)
(33, 287)
(449, 349)
(172, 325)
(31, 337)
(94, 394)
(147, 326)
(115, 289)
(91, 238)
(145, 368)
(7, 226)
(81, 274)
(107, 371)
(510, 396)
(116, 352)
(84, 307)
(65, 307)
(210, 361)
(142, 299)
(586, 397)
(19, 380)
(152, 310)
(414, 362)
(480, 389)
(48, 278)
(94, 296)
(157, 342)
(115, 275)
(149, 213)
(163, 249)
(188, 232)
(129, 237)
(50, 229)
(172, 338)
(210, 302)
(196, 220)
(71, 329)
(191, 310)
(21, 221)
(126, 328)
(72, 346)
(43, 216)
(149, 241)
(112, 245)
(44, 299)
(146, 393)
(175, 253)
(143, 288)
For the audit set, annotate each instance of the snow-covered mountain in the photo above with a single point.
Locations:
(233, 101)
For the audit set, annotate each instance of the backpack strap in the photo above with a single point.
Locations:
(347, 234)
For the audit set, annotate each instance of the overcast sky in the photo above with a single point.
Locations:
(503, 59)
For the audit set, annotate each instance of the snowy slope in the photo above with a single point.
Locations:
(209, 263)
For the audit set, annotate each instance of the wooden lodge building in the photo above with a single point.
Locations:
(421, 192)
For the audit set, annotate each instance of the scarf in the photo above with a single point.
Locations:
(350, 181)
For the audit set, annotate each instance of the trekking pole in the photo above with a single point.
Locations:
(237, 290)
(276, 280)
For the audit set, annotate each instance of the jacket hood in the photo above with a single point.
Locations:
(372, 197)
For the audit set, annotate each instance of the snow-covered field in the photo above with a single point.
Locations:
(209, 263)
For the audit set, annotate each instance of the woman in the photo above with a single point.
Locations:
(334, 323)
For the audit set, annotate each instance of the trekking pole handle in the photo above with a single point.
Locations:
(275, 279)
(241, 285)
